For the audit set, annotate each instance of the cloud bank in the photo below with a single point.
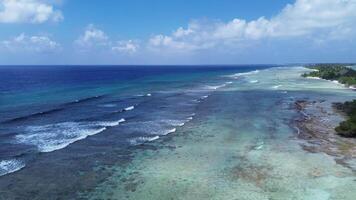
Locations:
(93, 39)
(319, 20)
(24, 43)
(28, 11)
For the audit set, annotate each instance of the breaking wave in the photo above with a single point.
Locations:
(141, 140)
(10, 166)
(52, 137)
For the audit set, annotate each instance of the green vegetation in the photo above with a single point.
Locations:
(333, 72)
(345, 75)
(348, 127)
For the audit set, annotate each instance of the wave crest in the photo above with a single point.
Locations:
(52, 137)
(10, 166)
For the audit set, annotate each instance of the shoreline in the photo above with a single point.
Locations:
(318, 135)
(333, 81)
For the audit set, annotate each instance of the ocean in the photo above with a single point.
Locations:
(161, 132)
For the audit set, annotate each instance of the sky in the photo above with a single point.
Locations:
(123, 32)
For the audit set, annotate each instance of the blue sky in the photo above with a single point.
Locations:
(176, 31)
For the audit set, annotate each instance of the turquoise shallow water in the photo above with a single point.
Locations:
(186, 134)
(240, 145)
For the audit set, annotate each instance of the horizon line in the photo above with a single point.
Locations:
(302, 63)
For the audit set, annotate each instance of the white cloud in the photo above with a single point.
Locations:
(127, 47)
(24, 43)
(28, 11)
(172, 43)
(313, 19)
(93, 37)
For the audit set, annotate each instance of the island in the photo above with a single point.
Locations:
(348, 127)
(344, 74)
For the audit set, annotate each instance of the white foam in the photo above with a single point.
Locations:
(209, 87)
(237, 75)
(108, 105)
(144, 95)
(259, 146)
(10, 166)
(141, 140)
(277, 86)
(169, 131)
(129, 108)
(254, 81)
(52, 137)
(337, 82)
(204, 97)
(112, 123)
(155, 127)
(215, 87)
(298, 130)
(333, 81)
(175, 122)
(313, 77)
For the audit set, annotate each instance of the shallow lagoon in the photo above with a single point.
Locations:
(241, 145)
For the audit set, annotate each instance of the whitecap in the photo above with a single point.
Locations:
(204, 97)
(129, 108)
(254, 81)
(108, 105)
(298, 130)
(10, 166)
(259, 146)
(144, 95)
(215, 87)
(111, 123)
(277, 86)
(169, 131)
(175, 122)
(237, 75)
(155, 127)
(141, 140)
(52, 137)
